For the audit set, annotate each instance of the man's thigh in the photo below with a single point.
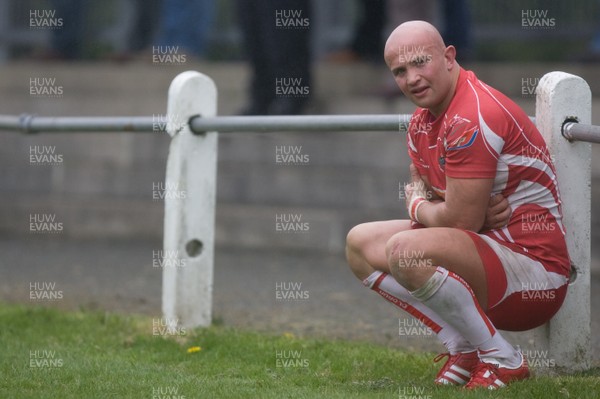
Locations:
(372, 237)
(414, 253)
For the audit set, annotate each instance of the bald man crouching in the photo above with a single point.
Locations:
(485, 247)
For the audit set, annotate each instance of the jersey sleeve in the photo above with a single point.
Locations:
(468, 155)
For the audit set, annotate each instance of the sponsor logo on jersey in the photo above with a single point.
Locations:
(466, 139)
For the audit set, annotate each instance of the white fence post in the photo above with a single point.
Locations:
(567, 336)
(190, 197)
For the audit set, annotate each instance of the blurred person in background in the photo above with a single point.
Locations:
(367, 40)
(132, 29)
(593, 49)
(186, 23)
(143, 30)
(276, 41)
(457, 26)
(67, 42)
(375, 15)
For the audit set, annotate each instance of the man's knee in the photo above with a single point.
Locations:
(404, 256)
(396, 247)
(356, 239)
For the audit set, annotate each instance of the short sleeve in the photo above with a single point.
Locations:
(467, 153)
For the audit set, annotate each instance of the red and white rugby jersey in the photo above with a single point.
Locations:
(484, 134)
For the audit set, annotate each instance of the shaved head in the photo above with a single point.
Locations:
(413, 34)
(423, 66)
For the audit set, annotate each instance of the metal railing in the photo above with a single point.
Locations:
(574, 131)
(28, 124)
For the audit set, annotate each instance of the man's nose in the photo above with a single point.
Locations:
(412, 77)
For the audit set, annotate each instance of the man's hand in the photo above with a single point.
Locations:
(498, 213)
(415, 193)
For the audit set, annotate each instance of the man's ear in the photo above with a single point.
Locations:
(450, 56)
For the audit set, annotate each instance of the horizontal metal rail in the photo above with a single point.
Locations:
(27, 123)
(311, 123)
(574, 131)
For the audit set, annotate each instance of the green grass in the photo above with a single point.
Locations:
(100, 355)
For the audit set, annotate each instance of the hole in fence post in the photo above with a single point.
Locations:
(568, 119)
(194, 248)
(573, 274)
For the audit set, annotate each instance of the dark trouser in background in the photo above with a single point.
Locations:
(276, 41)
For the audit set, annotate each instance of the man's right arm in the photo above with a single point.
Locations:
(498, 210)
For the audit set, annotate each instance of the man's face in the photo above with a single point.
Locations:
(421, 72)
